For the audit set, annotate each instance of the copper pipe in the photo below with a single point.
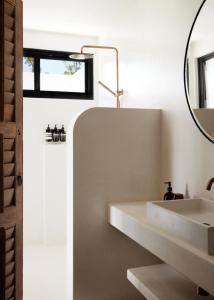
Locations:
(118, 92)
(107, 88)
(210, 183)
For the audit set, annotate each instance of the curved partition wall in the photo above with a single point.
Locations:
(116, 158)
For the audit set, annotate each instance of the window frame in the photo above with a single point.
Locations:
(202, 79)
(38, 54)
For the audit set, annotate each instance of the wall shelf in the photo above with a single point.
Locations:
(161, 282)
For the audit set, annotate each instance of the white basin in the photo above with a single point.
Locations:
(191, 220)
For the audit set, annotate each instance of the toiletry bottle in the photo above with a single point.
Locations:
(62, 134)
(169, 195)
(55, 134)
(48, 134)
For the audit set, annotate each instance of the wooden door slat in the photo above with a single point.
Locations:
(9, 110)
(9, 269)
(8, 157)
(9, 98)
(9, 73)
(9, 257)
(8, 216)
(9, 292)
(9, 48)
(9, 9)
(9, 232)
(8, 145)
(9, 60)
(8, 197)
(9, 182)
(9, 21)
(8, 34)
(8, 169)
(9, 85)
(9, 245)
(9, 281)
(8, 130)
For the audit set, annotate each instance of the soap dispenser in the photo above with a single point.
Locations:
(169, 195)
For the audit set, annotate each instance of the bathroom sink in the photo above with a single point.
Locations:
(191, 220)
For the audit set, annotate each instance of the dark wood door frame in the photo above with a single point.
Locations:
(11, 148)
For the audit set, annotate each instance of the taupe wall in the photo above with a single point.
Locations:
(116, 158)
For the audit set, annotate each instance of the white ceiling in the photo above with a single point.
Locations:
(123, 18)
(85, 17)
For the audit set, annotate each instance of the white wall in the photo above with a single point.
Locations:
(151, 65)
(45, 187)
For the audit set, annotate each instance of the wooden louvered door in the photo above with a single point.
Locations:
(11, 236)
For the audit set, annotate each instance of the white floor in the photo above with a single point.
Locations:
(45, 272)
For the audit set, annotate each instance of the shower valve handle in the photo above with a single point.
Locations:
(119, 93)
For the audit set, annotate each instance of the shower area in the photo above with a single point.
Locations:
(48, 165)
(45, 206)
(46, 191)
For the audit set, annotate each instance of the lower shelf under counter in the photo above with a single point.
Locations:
(130, 219)
(161, 282)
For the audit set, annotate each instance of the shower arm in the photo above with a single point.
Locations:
(118, 92)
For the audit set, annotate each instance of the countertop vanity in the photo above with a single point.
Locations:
(174, 232)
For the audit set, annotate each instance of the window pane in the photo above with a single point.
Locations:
(62, 76)
(209, 75)
(28, 73)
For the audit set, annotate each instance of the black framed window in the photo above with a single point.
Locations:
(205, 80)
(53, 74)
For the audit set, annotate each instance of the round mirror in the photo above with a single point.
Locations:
(199, 69)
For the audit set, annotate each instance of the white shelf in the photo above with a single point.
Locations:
(161, 282)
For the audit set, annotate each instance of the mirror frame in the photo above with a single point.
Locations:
(186, 79)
